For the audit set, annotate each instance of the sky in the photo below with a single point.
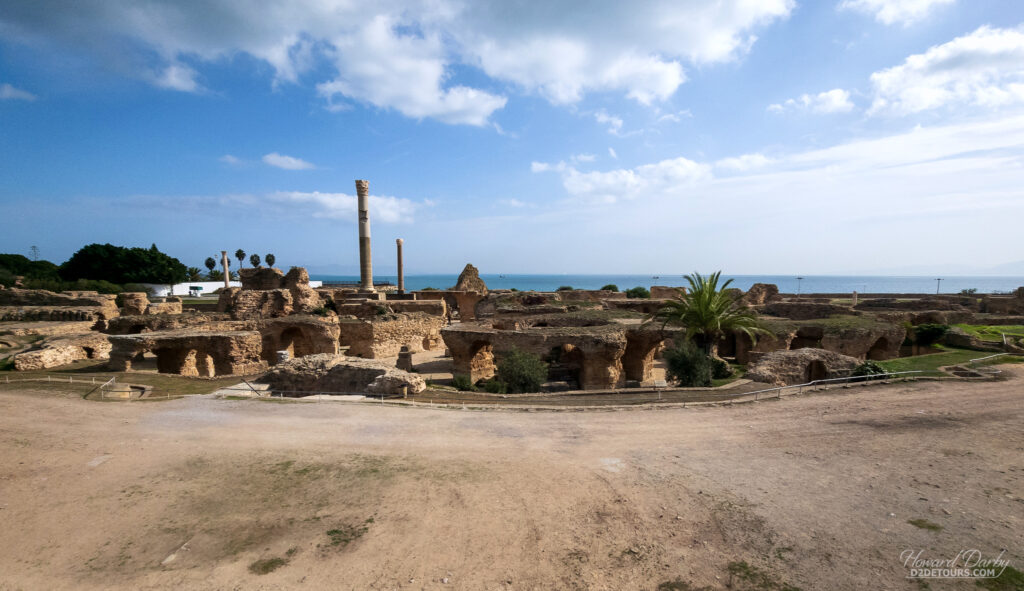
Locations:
(752, 136)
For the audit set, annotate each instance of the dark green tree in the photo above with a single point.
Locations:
(610, 287)
(240, 255)
(194, 274)
(118, 264)
(638, 292)
(210, 263)
(270, 259)
(521, 371)
(688, 365)
(255, 260)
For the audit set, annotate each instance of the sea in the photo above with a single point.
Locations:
(786, 283)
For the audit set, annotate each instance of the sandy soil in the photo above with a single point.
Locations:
(812, 491)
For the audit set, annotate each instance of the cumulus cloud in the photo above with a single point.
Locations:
(677, 174)
(232, 160)
(744, 163)
(984, 68)
(403, 54)
(905, 12)
(611, 152)
(344, 207)
(11, 93)
(614, 123)
(676, 117)
(287, 162)
(836, 100)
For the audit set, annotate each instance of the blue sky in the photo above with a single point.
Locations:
(770, 136)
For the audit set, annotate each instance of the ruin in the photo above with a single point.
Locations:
(783, 368)
(193, 353)
(338, 374)
(365, 262)
(63, 350)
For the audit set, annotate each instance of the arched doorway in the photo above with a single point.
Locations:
(880, 350)
(816, 370)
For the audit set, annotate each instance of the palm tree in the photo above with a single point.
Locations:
(194, 274)
(210, 263)
(709, 312)
(240, 255)
(255, 260)
(270, 259)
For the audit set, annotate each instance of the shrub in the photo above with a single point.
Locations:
(463, 383)
(610, 287)
(522, 371)
(429, 289)
(641, 293)
(929, 334)
(138, 287)
(495, 387)
(868, 368)
(969, 291)
(565, 288)
(6, 277)
(720, 368)
(688, 364)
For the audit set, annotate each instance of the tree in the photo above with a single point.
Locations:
(210, 263)
(270, 259)
(521, 371)
(708, 312)
(194, 274)
(240, 255)
(610, 287)
(255, 260)
(688, 365)
(638, 292)
(215, 275)
(118, 264)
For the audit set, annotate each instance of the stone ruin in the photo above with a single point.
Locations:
(138, 304)
(270, 293)
(192, 353)
(593, 352)
(333, 374)
(786, 368)
(37, 304)
(469, 280)
(62, 351)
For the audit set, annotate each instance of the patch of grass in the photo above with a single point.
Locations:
(1010, 579)
(266, 565)
(992, 333)
(346, 534)
(753, 577)
(932, 362)
(925, 524)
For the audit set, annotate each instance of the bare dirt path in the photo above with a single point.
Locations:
(814, 492)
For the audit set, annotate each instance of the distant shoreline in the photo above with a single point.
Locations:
(825, 284)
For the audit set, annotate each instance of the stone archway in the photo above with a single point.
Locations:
(481, 362)
(879, 350)
(565, 364)
(296, 342)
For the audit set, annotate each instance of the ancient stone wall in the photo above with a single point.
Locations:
(385, 335)
(796, 310)
(54, 352)
(782, 368)
(161, 322)
(661, 292)
(171, 305)
(48, 305)
(192, 353)
(268, 293)
(469, 280)
(300, 335)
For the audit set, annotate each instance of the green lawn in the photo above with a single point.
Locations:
(991, 333)
(934, 361)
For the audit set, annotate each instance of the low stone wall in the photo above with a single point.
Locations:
(192, 353)
(268, 293)
(134, 303)
(340, 374)
(48, 305)
(863, 338)
(385, 335)
(64, 350)
(805, 310)
(171, 305)
(153, 323)
(299, 335)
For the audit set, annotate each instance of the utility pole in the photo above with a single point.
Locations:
(798, 280)
(938, 283)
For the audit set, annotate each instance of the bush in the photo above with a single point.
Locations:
(610, 287)
(522, 371)
(463, 383)
(565, 288)
(720, 368)
(138, 287)
(6, 277)
(929, 334)
(495, 387)
(969, 291)
(688, 364)
(868, 368)
(429, 289)
(641, 293)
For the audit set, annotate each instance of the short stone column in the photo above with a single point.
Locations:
(404, 359)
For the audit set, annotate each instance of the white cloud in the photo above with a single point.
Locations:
(905, 12)
(583, 158)
(614, 185)
(676, 117)
(611, 152)
(836, 100)
(744, 163)
(614, 123)
(178, 77)
(11, 93)
(514, 203)
(342, 206)
(287, 162)
(402, 55)
(984, 68)
(229, 159)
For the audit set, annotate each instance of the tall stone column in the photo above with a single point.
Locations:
(227, 271)
(365, 264)
(401, 275)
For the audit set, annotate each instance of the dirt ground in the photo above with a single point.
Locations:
(811, 491)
